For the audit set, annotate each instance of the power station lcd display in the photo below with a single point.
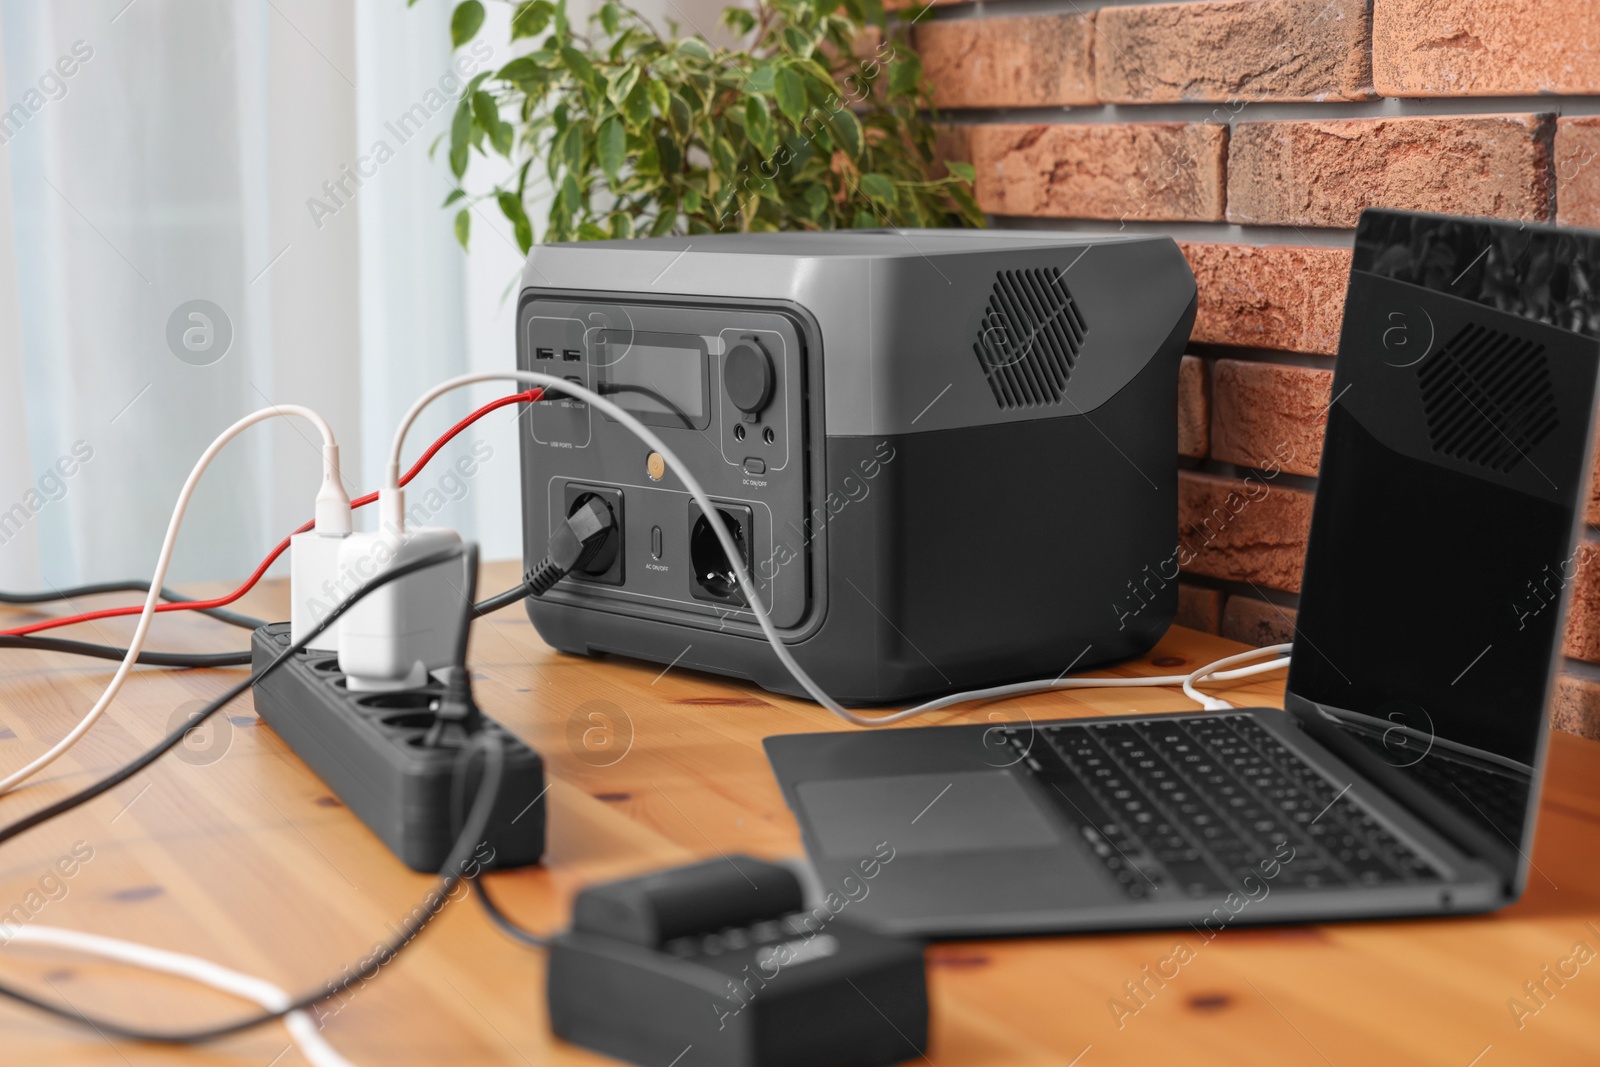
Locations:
(656, 379)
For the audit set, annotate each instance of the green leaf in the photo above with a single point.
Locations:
(621, 84)
(521, 69)
(571, 195)
(865, 220)
(502, 137)
(660, 96)
(460, 136)
(636, 108)
(965, 171)
(455, 194)
(796, 42)
(485, 110)
(758, 125)
(465, 22)
(694, 46)
(621, 225)
(609, 18)
(669, 155)
(905, 76)
(511, 208)
(761, 80)
(681, 116)
(878, 187)
(791, 95)
(579, 65)
(847, 128)
(816, 200)
(726, 159)
(667, 219)
(531, 19)
(738, 20)
(590, 232)
(612, 145)
(463, 227)
(646, 167)
(575, 148)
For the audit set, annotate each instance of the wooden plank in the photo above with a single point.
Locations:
(239, 854)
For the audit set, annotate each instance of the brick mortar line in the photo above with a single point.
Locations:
(1228, 233)
(1008, 9)
(1247, 354)
(1230, 588)
(1579, 668)
(1393, 107)
(1238, 472)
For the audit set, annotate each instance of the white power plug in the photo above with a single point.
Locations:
(396, 637)
(314, 557)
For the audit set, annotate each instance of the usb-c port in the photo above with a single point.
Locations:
(571, 355)
(544, 353)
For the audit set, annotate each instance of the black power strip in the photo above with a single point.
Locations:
(367, 748)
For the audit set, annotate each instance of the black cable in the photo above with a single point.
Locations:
(498, 917)
(147, 657)
(200, 660)
(232, 618)
(500, 600)
(449, 876)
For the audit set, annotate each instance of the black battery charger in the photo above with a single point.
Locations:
(720, 964)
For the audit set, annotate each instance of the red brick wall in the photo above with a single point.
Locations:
(1254, 132)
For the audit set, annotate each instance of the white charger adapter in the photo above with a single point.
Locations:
(314, 558)
(397, 636)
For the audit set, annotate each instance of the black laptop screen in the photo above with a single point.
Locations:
(1442, 536)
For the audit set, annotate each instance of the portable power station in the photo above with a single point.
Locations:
(949, 457)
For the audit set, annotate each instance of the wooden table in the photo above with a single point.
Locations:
(236, 853)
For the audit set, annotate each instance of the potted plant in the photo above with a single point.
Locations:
(643, 133)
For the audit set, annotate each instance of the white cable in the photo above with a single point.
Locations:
(1211, 672)
(391, 502)
(327, 510)
(302, 1028)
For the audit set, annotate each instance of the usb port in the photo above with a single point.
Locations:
(544, 353)
(571, 355)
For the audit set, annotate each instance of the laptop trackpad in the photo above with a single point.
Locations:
(965, 811)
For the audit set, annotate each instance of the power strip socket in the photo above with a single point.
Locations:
(367, 748)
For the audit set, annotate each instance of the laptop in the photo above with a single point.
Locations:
(1402, 775)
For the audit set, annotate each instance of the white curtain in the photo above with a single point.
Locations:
(263, 165)
(163, 152)
(154, 156)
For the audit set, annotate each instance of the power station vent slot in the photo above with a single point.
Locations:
(1030, 339)
(1487, 398)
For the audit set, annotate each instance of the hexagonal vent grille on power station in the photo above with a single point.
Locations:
(1031, 336)
(1487, 398)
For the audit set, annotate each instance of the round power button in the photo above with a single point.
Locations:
(747, 376)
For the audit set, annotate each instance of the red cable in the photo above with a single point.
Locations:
(527, 397)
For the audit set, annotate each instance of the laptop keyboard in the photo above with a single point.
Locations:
(1199, 803)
